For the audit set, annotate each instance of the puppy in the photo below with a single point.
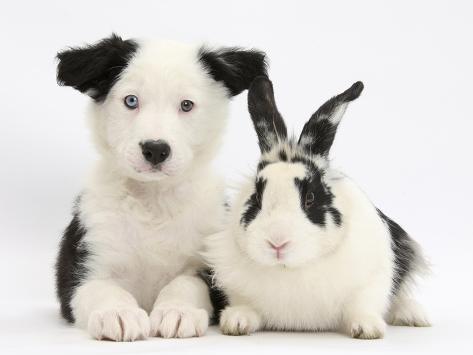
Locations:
(157, 114)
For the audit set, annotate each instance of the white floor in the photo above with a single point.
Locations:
(36, 329)
(30, 323)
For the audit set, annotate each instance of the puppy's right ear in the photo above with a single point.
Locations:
(234, 67)
(269, 124)
(93, 69)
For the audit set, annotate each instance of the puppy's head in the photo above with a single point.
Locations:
(159, 108)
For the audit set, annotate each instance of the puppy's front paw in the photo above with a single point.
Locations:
(239, 320)
(178, 321)
(121, 324)
(367, 327)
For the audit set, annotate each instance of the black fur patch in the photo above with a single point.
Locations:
(282, 155)
(404, 252)
(320, 130)
(217, 296)
(262, 164)
(322, 198)
(234, 67)
(268, 122)
(324, 135)
(70, 268)
(310, 165)
(95, 68)
(253, 205)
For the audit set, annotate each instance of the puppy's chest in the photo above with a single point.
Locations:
(141, 252)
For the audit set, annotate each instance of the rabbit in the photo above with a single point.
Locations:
(304, 248)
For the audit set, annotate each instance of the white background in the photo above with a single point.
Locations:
(406, 141)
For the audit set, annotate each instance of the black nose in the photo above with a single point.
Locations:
(155, 151)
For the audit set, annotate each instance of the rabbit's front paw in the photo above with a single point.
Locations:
(239, 320)
(367, 327)
(408, 312)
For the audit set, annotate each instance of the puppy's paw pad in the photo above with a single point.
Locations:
(178, 321)
(121, 324)
(239, 321)
(368, 327)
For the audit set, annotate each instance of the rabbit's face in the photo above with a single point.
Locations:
(289, 218)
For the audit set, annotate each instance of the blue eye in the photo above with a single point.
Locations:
(131, 101)
(187, 105)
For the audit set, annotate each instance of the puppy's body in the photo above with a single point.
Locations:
(144, 234)
(158, 112)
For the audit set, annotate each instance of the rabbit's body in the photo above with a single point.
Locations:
(305, 249)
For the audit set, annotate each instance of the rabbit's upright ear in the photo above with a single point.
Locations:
(319, 132)
(268, 122)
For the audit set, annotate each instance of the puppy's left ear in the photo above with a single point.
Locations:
(234, 67)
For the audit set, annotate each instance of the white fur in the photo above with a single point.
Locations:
(332, 278)
(144, 227)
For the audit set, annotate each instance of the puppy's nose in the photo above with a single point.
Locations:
(155, 151)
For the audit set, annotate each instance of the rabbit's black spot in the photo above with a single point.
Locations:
(309, 164)
(70, 265)
(318, 133)
(218, 298)
(336, 216)
(322, 132)
(268, 122)
(253, 204)
(282, 155)
(321, 199)
(262, 164)
(94, 69)
(404, 251)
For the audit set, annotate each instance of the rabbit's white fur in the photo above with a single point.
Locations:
(333, 277)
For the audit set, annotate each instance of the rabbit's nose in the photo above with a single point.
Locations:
(277, 247)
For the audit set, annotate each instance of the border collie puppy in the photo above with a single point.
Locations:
(127, 263)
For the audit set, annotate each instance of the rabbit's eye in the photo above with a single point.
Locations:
(309, 199)
(187, 105)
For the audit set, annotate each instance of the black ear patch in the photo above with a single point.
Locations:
(268, 122)
(93, 69)
(234, 67)
(318, 133)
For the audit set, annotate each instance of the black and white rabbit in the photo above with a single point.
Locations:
(305, 249)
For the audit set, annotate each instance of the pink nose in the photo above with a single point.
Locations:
(277, 247)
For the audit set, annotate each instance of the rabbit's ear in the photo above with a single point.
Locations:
(268, 122)
(319, 132)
